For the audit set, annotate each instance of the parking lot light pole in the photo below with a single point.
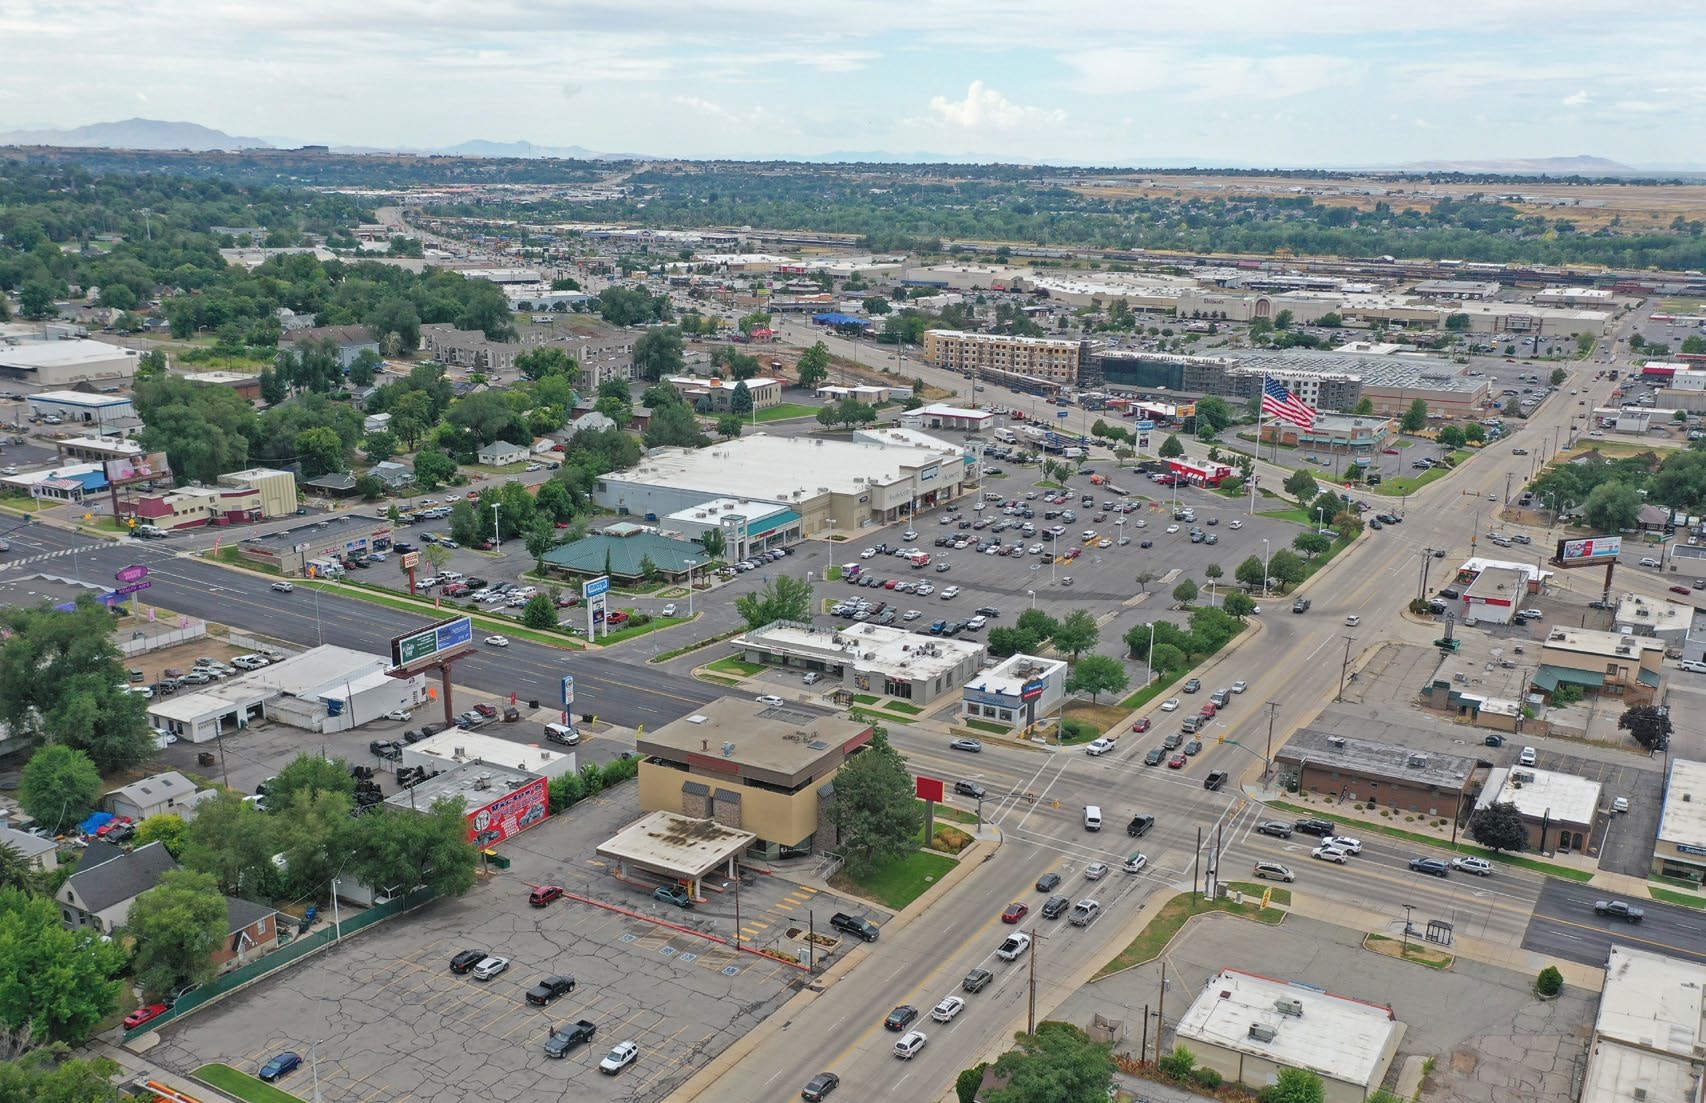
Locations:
(1265, 551)
(691, 563)
(1149, 660)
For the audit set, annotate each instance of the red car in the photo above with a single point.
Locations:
(1142, 725)
(1014, 913)
(891, 584)
(1680, 590)
(1389, 451)
(616, 618)
(143, 1014)
(488, 711)
(544, 894)
(1177, 762)
(112, 825)
(1209, 709)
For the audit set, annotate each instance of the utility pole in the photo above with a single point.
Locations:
(1268, 758)
(497, 533)
(1161, 1010)
(1196, 867)
(1031, 1003)
(1344, 667)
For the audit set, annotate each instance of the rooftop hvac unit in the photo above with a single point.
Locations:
(456, 752)
(728, 750)
(1416, 761)
(1337, 742)
(1261, 1032)
(1291, 1007)
(483, 781)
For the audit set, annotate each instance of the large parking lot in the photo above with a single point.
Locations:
(393, 1023)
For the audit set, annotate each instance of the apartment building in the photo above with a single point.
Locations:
(1054, 359)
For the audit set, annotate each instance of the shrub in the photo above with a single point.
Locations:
(966, 1083)
(1179, 1064)
(1207, 1077)
(1550, 982)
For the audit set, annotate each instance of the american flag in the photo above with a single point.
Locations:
(1281, 403)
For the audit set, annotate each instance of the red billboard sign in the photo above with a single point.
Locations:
(510, 814)
(929, 788)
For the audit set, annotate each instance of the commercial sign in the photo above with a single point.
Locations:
(1145, 426)
(986, 697)
(409, 559)
(928, 788)
(432, 641)
(151, 465)
(592, 587)
(568, 690)
(1588, 552)
(510, 814)
(595, 591)
(1063, 413)
(134, 587)
(1032, 690)
(132, 573)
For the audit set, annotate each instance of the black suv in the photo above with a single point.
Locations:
(1048, 882)
(1322, 828)
(969, 789)
(1055, 907)
(1301, 605)
(854, 925)
(1139, 826)
(466, 960)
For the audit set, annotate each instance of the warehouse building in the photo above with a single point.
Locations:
(99, 414)
(61, 362)
(1248, 1028)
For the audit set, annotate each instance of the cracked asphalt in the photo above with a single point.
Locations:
(393, 1023)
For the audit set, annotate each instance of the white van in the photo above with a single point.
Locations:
(562, 733)
(1006, 436)
(1092, 817)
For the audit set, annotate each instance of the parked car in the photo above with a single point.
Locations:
(549, 989)
(855, 925)
(1432, 866)
(281, 1064)
(490, 968)
(619, 1058)
(673, 894)
(146, 1013)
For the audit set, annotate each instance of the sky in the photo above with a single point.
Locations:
(1227, 82)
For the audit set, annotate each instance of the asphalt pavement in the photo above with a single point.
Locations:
(1565, 926)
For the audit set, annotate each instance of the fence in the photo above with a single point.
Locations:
(143, 642)
(292, 951)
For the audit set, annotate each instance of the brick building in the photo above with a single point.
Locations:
(1382, 774)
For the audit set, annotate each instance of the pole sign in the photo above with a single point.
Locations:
(134, 573)
(434, 640)
(134, 587)
(595, 591)
(1145, 427)
(1590, 552)
(568, 690)
(408, 560)
(1064, 413)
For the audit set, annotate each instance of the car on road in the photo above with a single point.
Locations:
(900, 1017)
(146, 1013)
(977, 980)
(1014, 946)
(281, 1064)
(1095, 871)
(1177, 762)
(1273, 871)
(490, 968)
(1432, 866)
(1478, 866)
(970, 745)
(820, 1085)
(1154, 757)
(1344, 843)
(1193, 747)
(283, 587)
(1098, 747)
(1619, 909)
(1055, 907)
(673, 894)
(1275, 828)
(497, 641)
(1015, 912)
(1240, 687)
(619, 1058)
(945, 1011)
(909, 1044)
(770, 699)
(969, 789)
(1319, 828)
(1170, 704)
(549, 989)
(1301, 605)
(1048, 882)
(1328, 854)
(1214, 780)
(1142, 724)
(1192, 686)
(1135, 862)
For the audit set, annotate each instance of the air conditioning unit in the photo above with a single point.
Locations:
(1337, 742)
(1291, 1007)
(1261, 1032)
(728, 750)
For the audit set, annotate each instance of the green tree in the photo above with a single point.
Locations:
(379, 446)
(1171, 448)
(1612, 507)
(363, 368)
(56, 981)
(49, 1074)
(537, 363)
(539, 612)
(1295, 1086)
(433, 469)
(1549, 982)
(320, 452)
(1301, 485)
(1238, 605)
(178, 925)
(59, 786)
(1004, 642)
(1251, 574)
(1311, 544)
(876, 817)
(714, 543)
(1038, 623)
(1167, 657)
(1076, 633)
(729, 425)
(1185, 592)
(1415, 418)
(1287, 567)
(1097, 674)
(235, 842)
(1499, 827)
(1215, 413)
(35, 300)
(658, 353)
(740, 402)
(1649, 724)
(1179, 1064)
(1457, 323)
(310, 773)
(813, 366)
(1474, 433)
(1057, 1064)
(1144, 578)
(675, 426)
(316, 836)
(1452, 437)
(167, 828)
(466, 524)
(1363, 408)
(399, 850)
(965, 1084)
(781, 598)
(273, 389)
(1558, 376)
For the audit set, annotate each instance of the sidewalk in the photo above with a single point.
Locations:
(137, 1068)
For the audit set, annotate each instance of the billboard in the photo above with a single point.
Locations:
(928, 788)
(509, 815)
(431, 641)
(147, 465)
(1590, 552)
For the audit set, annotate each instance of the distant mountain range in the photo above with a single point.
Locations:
(1583, 164)
(133, 134)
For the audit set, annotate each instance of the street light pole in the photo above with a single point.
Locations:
(1149, 660)
(1265, 551)
(497, 533)
(691, 563)
(1344, 667)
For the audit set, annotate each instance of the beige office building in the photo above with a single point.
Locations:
(1055, 359)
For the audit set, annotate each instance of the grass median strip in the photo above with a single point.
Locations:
(1687, 900)
(242, 1085)
(1173, 915)
(696, 645)
(1465, 849)
(897, 883)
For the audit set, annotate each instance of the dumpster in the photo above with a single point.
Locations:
(496, 859)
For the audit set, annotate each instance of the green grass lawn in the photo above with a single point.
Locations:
(986, 726)
(244, 1086)
(784, 411)
(902, 707)
(1404, 484)
(653, 625)
(1686, 899)
(898, 883)
(1256, 888)
(738, 667)
(490, 625)
(1149, 692)
(1294, 515)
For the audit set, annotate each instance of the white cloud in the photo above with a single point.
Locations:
(1577, 98)
(1158, 68)
(986, 109)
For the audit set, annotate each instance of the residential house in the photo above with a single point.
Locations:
(639, 417)
(108, 880)
(501, 453)
(351, 341)
(170, 792)
(394, 475)
(38, 852)
(251, 931)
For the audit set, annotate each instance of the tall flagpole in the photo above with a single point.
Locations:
(1261, 413)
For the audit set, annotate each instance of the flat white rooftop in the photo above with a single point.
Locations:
(1012, 674)
(893, 651)
(1648, 1029)
(55, 354)
(1684, 817)
(455, 746)
(1337, 1037)
(72, 398)
(1588, 641)
(714, 510)
(1654, 616)
(942, 409)
(774, 468)
(1545, 794)
(666, 841)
